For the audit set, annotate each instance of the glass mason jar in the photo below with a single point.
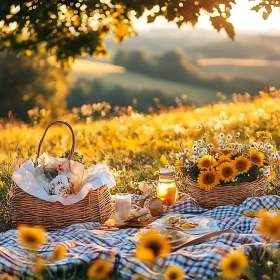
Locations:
(166, 188)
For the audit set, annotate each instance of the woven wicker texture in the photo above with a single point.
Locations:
(227, 195)
(30, 210)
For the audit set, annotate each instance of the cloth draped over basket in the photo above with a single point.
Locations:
(31, 202)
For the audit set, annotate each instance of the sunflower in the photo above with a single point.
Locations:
(59, 253)
(7, 276)
(152, 245)
(269, 225)
(206, 161)
(242, 164)
(263, 134)
(256, 157)
(214, 151)
(179, 164)
(31, 237)
(208, 179)
(39, 265)
(223, 159)
(174, 273)
(100, 269)
(226, 171)
(234, 264)
(139, 277)
(228, 152)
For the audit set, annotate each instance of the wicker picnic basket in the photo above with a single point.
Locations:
(227, 194)
(30, 210)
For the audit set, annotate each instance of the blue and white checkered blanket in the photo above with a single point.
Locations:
(86, 242)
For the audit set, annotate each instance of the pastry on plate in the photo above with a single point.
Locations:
(171, 220)
(188, 225)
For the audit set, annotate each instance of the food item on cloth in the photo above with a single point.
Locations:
(177, 221)
(187, 225)
(139, 214)
(171, 220)
(156, 207)
(61, 185)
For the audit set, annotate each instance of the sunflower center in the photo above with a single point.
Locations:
(241, 165)
(173, 275)
(155, 247)
(99, 269)
(255, 159)
(234, 265)
(30, 238)
(208, 179)
(227, 172)
(206, 163)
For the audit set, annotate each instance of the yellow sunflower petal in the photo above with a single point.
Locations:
(59, 252)
(223, 159)
(139, 277)
(39, 265)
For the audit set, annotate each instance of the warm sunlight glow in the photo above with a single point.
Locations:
(242, 18)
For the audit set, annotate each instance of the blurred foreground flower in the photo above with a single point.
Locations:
(6, 276)
(174, 273)
(39, 266)
(234, 264)
(269, 225)
(100, 269)
(59, 253)
(151, 246)
(31, 237)
(139, 277)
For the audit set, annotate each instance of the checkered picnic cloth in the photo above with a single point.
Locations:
(86, 242)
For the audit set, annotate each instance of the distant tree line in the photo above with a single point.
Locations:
(89, 92)
(174, 66)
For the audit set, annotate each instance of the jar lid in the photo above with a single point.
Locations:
(168, 170)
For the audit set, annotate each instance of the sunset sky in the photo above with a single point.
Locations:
(242, 18)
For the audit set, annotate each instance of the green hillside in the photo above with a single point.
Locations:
(112, 76)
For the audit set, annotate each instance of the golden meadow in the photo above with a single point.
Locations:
(132, 144)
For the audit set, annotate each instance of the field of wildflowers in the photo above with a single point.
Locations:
(134, 146)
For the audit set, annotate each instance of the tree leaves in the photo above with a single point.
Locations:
(219, 23)
(69, 29)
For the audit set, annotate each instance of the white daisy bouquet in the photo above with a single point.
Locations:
(233, 159)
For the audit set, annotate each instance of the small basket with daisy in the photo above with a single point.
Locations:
(229, 171)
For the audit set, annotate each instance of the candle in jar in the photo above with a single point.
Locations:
(122, 207)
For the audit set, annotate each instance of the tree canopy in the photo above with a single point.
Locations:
(68, 29)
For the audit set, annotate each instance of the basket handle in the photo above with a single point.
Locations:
(43, 137)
